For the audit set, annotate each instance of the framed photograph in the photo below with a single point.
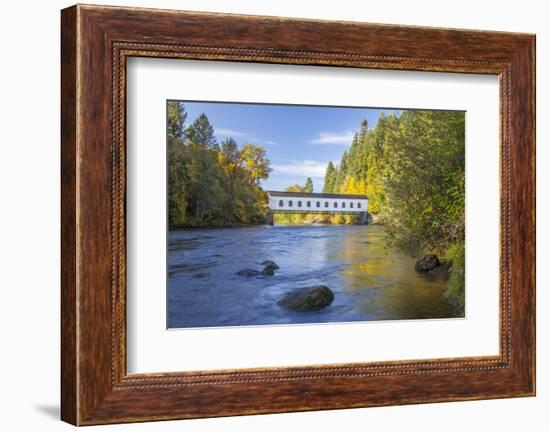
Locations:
(264, 215)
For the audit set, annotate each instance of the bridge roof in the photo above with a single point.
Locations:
(316, 195)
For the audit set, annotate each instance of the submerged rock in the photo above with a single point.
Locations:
(270, 268)
(248, 272)
(267, 263)
(426, 263)
(307, 298)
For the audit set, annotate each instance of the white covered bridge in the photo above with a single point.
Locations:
(319, 203)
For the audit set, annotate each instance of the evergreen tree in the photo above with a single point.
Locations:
(352, 155)
(308, 187)
(330, 178)
(177, 172)
(203, 182)
(201, 132)
(176, 120)
(360, 157)
(342, 173)
(363, 130)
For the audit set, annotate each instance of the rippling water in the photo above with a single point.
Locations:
(369, 281)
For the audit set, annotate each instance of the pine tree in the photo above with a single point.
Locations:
(177, 168)
(330, 177)
(363, 130)
(352, 155)
(342, 172)
(201, 132)
(176, 117)
(308, 187)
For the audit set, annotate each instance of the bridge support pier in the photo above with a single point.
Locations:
(363, 217)
(270, 218)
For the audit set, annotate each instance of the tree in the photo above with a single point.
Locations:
(352, 166)
(177, 191)
(256, 163)
(229, 159)
(363, 130)
(294, 188)
(330, 178)
(201, 132)
(203, 182)
(425, 183)
(308, 187)
(342, 173)
(176, 120)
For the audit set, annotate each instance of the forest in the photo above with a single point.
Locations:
(211, 183)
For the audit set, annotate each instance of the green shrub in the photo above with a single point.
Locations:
(455, 285)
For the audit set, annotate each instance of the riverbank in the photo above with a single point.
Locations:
(215, 226)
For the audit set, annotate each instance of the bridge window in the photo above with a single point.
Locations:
(343, 204)
(281, 203)
(358, 204)
(318, 204)
(335, 204)
(299, 203)
(351, 204)
(289, 203)
(308, 204)
(326, 204)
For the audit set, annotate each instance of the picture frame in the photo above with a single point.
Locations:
(96, 42)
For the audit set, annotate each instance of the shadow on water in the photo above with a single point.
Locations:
(370, 282)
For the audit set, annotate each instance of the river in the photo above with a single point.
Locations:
(369, 281)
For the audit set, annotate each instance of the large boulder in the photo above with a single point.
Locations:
(426, 263)
(307, 298)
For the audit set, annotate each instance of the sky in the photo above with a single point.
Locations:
(299, 140)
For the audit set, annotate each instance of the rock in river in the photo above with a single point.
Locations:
(269, 267)
(307, 298)
(248, 272)
(426, 263)
(270, 263)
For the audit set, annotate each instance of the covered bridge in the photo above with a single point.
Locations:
(320, 203)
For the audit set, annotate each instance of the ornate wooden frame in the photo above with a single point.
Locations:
(95, 43)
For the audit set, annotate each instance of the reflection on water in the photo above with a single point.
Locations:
(369, 281)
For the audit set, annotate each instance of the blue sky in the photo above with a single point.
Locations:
(299, 140)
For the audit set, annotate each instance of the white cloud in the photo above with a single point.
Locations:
(328, 138)
(305, 168)
(229, 132)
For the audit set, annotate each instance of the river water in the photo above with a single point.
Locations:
(369, 281)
